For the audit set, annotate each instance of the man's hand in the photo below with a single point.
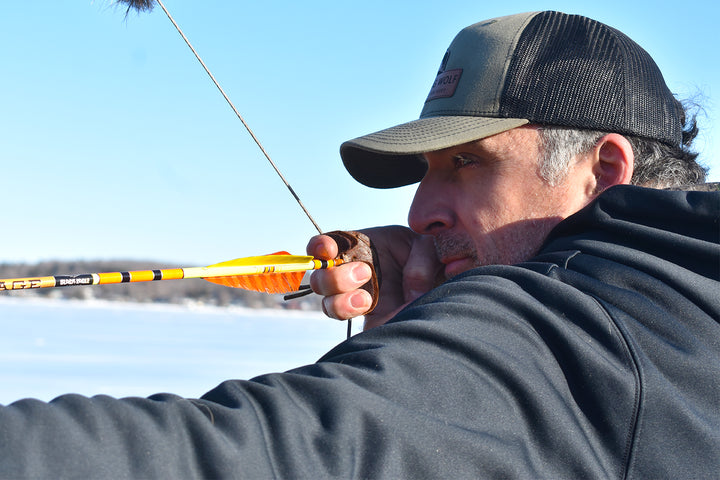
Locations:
(408, 266)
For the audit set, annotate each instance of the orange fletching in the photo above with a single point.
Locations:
(266, 282)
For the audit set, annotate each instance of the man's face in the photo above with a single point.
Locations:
(485, 202)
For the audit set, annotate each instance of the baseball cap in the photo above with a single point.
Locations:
(547, 68)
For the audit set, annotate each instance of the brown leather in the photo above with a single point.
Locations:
(357, 247)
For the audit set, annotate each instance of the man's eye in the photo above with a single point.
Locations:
(463, 161)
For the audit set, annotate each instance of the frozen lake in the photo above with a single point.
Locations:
(51, 347)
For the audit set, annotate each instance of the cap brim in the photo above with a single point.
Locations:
(391, 157)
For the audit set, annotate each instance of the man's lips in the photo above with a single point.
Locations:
(457, 264)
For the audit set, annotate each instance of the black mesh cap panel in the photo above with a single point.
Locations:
(569, 70)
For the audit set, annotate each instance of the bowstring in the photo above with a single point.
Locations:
(249, 130)
(237, 113)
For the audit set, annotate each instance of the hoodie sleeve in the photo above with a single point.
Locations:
(479, 378)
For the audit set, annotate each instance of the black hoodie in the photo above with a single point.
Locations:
(599, 358)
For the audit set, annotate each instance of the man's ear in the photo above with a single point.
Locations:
(613, 162)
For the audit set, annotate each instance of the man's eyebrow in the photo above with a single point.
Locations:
(481, 149)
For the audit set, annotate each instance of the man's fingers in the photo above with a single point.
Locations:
(347, 305)
(323, 247)
(340, 285)
(342, 279)
(421, 270)
(407, 263)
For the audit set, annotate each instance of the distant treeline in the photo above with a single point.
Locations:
(169, 291)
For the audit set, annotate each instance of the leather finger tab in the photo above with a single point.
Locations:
(357, 247)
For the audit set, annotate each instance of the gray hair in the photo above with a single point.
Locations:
(657, 164)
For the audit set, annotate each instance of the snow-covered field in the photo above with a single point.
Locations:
(51, 347)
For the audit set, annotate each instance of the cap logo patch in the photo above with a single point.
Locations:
(445, 84)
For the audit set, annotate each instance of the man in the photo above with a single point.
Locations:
(520, 185)
(584, 344)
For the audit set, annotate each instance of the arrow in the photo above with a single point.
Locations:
(276, 273)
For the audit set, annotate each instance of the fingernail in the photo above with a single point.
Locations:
(361, 272)
(358, 300)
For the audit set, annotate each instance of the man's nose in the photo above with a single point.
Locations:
(431, 212)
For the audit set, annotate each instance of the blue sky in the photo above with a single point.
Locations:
(114, 143)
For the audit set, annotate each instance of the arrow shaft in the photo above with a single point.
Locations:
(106, 278)
(51, 281)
